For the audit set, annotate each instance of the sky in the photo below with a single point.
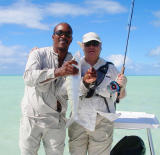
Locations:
(25, 24)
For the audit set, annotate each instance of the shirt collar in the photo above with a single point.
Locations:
(99, 63)
(68, 56)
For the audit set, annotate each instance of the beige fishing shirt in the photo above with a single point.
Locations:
(40, 99)
(90, 107)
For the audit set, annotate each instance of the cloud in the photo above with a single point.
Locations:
(23, 13)
(143, 69)
(107, 6)
(157, 65)
(118, 60)
(157, 14)
(5, 51)
(12, 55)
(157, 21)
(155, 52)
(130, 66)
(99, 21)
(32, 15)
(134, 68)
(89, 7)
(133, 28)
(64, 9)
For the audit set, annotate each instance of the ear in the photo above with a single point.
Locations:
(101, 47)
(53, 37)
(71, 39)
(83, 46)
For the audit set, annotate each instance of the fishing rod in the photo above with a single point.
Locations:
(129, 29)
(114, 86)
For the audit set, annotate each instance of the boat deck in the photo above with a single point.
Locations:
(136, 121)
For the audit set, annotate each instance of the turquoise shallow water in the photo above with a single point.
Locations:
(143, 94)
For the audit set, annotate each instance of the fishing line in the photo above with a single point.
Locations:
(114, 86)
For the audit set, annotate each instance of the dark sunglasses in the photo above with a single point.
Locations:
(93, 43)
(68, 34)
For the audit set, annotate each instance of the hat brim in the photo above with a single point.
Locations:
(91, 39)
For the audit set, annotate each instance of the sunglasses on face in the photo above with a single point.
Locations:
(68, 34)
(93, 43)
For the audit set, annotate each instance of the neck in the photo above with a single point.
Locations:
(61, 55)
(91, 62)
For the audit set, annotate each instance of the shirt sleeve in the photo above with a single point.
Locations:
(113, 72)
(34, 75)
(83, 89)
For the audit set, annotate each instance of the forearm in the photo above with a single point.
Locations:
(83, 88)
(38, 77)
(36, 74)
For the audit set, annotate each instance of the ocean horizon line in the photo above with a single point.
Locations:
(125, 74)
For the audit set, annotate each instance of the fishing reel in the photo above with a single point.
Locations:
(113, 87)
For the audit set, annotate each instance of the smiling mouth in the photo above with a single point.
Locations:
(91, 52)
(63, 41)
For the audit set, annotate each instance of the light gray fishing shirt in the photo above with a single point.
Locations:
(90, 107)
(40, 98)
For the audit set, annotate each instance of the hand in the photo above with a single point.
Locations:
(121, 80)
(34, 48)
(90, 76)
(67, 69)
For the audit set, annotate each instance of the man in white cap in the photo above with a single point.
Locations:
(93, 132)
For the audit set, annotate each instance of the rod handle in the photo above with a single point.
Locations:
(122, 70)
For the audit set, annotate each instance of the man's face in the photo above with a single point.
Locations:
(62, 37)
(92, 50)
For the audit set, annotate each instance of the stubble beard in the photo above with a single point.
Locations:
(63, 49)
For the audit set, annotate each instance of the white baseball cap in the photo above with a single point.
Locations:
(90, 36)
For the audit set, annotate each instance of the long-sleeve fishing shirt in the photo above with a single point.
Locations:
(40, 96)
(90, 107)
